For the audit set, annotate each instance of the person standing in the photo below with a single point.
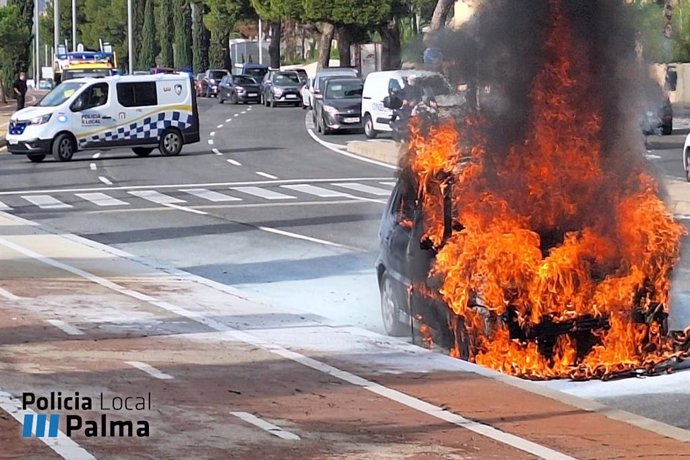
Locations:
(20, 90)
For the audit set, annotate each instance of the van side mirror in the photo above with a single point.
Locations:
(78, 104)
(318, 95)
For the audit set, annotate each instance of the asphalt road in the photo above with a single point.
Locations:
(261, 206)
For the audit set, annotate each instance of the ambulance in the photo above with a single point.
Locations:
(143, 112)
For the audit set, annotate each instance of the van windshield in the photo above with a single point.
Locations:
(257, 72)
(60, 94)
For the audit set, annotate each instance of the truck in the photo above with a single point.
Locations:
(84, 63)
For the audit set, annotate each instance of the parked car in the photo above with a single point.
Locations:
(379, 85)
(256, 71)
(339, 105)
(281, 87)
(198, 84)
(239, 88)
(305, 93)
(325, 73)
(211, 80)
(686, 157)
(45, 84)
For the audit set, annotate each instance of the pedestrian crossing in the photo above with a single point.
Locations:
(197, 196)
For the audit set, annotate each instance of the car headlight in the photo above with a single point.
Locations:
(212, 81)
(240, 89)
(40, 120)
(330, 109)
(277, 91)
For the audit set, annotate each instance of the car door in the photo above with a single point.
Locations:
(396, 234)
(94, 118)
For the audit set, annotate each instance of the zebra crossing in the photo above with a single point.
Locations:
(197, 196)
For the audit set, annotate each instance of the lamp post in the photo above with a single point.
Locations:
(37, 51)
(74, 25)
(130, 46)
(56, 26)
(261, 43)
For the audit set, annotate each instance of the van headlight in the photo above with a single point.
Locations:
(40, 120)
(330, 109)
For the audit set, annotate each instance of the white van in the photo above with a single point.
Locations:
(139, 111)
(378, 85)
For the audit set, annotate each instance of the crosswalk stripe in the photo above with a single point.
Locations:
(46, 202)
(210, 195)
(314, 190)
(101, 199)
(4, 207)
(390, 184)
(263, 193)
(155, 197)
(363, 188)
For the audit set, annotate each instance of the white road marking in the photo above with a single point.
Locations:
(233, 162)
(264, 425)
(96, 155)
(243, 112)
(105, 180)
(390, 184)
(184, 208)
(4, 207)
(92, 166)
(236, 115)
(363, 188)
(368, 385)
(62, 445)
(219, 126)
(208, 184)
(8, 295)
(210, 195)
(314, 190)
(65, 327)
(228, 120)
(266, 175)
(46, 202)
(152, 371)
(212, 133)
(216, 151)
(101, 199)
(263, 193)
(210, 141)
(297, 236)
(156, 197)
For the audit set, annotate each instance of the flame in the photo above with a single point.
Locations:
(550, 235)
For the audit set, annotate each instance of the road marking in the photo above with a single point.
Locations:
(316, 191)
(96, 155)
(92, 166)
(297, 236)
(264, 425)
(266, 175)
(236, 115)
(233, 162)
(210, 195)
(105, 180)
(208, 185)
(152, 371)
(212, 133)
(390, 184)
(8, 295)
(101, 199)
(368, 385)
(263, 193)
(46, 202)
(216, 151)
(243, 112)
(228, 120)
(156, 197)
(65, 327)
(184, 208)
(4, 207)
(364, 188)
(219, 126)
(62, 445)
(210, 141)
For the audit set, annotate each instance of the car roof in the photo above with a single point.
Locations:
(342, 78)
(134, 78)
(337, 69)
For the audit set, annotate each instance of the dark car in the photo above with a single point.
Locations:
(282, 87)
(239, 88)
(339, 105)
(658, 119)
(211, 80)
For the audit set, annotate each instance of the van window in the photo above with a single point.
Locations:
(60, 94)
(93, 96)
(139, 94)
(393, 85)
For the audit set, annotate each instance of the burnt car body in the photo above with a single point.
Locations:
(239, 88)
(409, 296)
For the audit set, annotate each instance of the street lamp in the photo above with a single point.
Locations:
(130, 47)
(74, 25)
(37, 51)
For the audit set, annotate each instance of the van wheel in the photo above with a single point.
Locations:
(390, 310)
(142, 151)
(686, 163)
(171, 143)
(369, 130)
(36, 158)
(63, 148)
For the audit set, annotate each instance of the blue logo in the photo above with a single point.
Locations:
(40, 428)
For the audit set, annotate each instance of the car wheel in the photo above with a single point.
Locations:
(369, 130)
(36, 158)
(266, 100)
(318, 125)
(390, 310)
(667, 129)
(686, 163)
(233, 99)
(324, 127)
(63, 148)
(170, 143)
(462, 339)
(142, 151)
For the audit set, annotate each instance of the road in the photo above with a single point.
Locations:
(260, 206)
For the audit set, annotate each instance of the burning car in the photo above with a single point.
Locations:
(546, 256)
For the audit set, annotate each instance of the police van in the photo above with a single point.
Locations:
(143, 112)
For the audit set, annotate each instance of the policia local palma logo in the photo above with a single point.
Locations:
(42, 421)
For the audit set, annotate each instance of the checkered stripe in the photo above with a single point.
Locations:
(149, 127)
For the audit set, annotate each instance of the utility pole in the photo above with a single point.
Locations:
(261, 42)
(37, 51)
(74, 25)
(130, 46)
(56, 26)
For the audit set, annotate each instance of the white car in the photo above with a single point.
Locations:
(306, 93)
(686, 157)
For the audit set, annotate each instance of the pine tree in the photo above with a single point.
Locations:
(26, 12)
(165, 33)
(138, 17)
(200, 38)
(148, 48)
(182, 20)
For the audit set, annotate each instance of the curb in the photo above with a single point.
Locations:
(388, 151)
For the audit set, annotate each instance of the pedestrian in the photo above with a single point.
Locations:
(20, 90)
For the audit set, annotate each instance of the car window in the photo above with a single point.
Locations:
(137, 94)
(216, 74)
(438, 85)
(285, 79)
(344, 90)
(241, 80)
(60, 94)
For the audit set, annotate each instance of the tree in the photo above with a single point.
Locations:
(105, 20)
(440, 16)
(138, 18)
(65, 20)
(276, 11)
(182, 19)
(14, 35)
(148, 49)
(25, 18)
(220, 21)
(200, 37)
(165, 35)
